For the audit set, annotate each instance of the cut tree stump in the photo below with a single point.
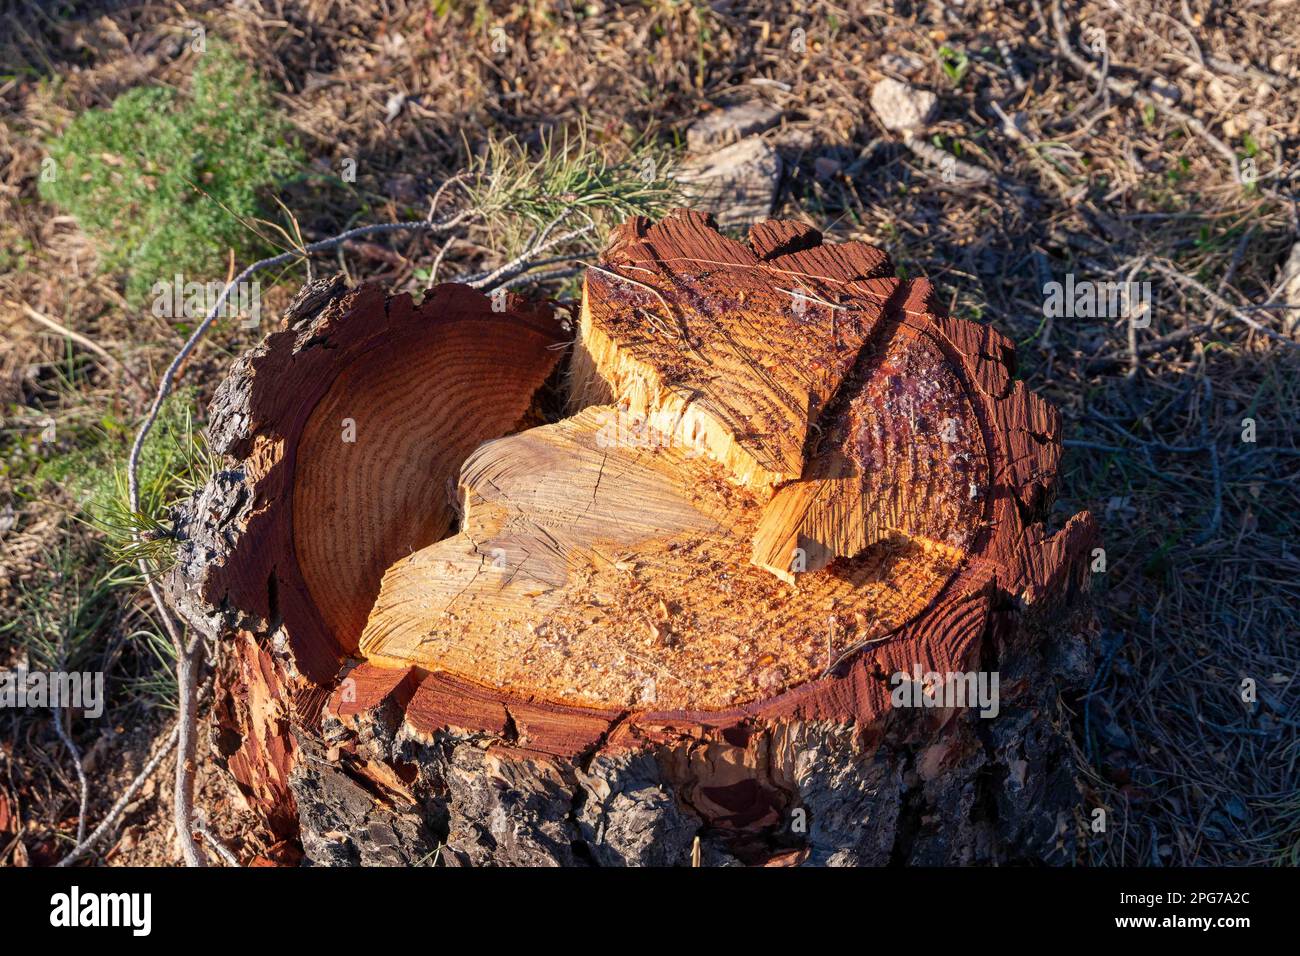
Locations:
(702, 578)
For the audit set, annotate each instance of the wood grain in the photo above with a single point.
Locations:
(614, 575)
(413, 406)
(732, 347)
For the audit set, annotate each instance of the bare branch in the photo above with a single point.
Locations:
(118, 808)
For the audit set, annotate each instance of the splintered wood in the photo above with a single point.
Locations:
(771, 461)
(378, 457)
(609, 574)
(901, 456)
(731, 347)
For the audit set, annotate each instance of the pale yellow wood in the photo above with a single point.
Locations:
(618, 575)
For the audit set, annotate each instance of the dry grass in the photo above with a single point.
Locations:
(1200, 589)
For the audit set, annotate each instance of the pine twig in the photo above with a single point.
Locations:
(66, 738)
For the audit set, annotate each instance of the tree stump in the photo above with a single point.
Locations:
(748, 567)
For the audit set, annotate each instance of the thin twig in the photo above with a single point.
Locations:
(1132, 325)
(1222, 303)
(437, 262)
(965, 174)
(681, 325)
(81, 772)
(458, 180)
(550, 275)
(106, 824)
(524, 261)
(86, 343)
(850, 651)
(212, 840)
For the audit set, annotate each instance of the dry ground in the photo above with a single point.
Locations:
(1200, 588)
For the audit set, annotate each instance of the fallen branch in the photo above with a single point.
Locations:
(81, 771)
(523, 262)
(114, 813)
(1222, 303)
(67, 333)
(212, 840)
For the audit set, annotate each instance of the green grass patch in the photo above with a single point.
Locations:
(167, 184)
(173, 464)
(83, 613)
(518, 190)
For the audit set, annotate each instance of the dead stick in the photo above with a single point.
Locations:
(123, 801)
(81, 772)
(212, 840)
(1221, 302)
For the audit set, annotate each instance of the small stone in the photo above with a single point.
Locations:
(825, 167)
(902, 107)
(649, 691)
(737, 184)
(394, 106)
(727, 125)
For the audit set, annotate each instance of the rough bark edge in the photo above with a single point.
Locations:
(275, 664)
(232, 571)
(913, 788)
(1012, 562)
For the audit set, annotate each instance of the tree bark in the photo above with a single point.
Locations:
(478, 635)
